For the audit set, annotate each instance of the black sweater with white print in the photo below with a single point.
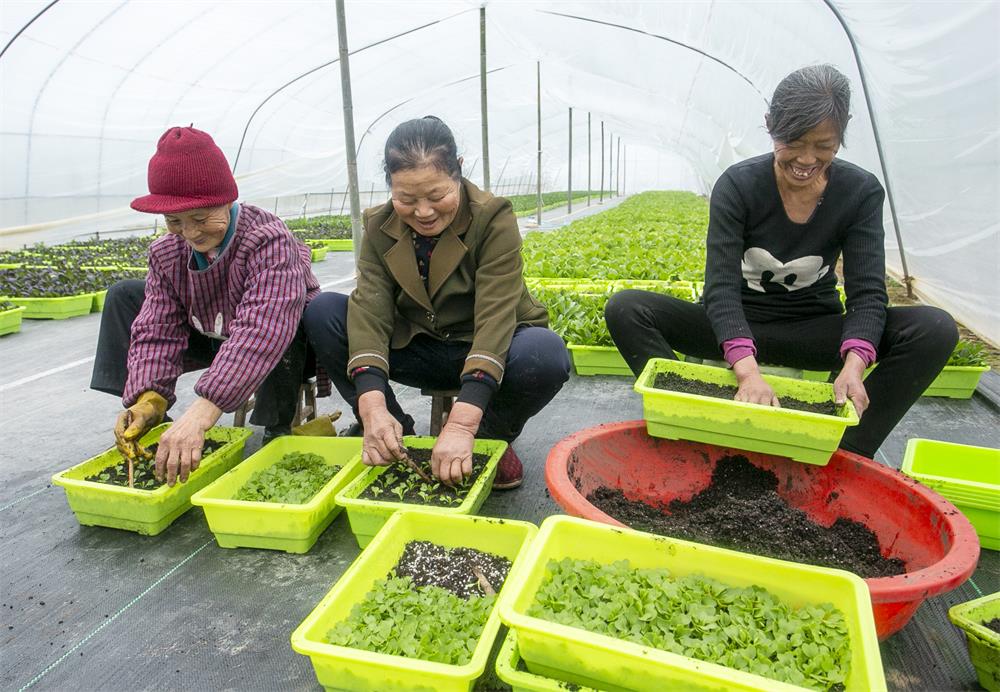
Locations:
(763, 267)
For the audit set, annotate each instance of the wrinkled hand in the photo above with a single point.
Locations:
(383, 441)
(138, 419)
(179, 451)
(752, 387)
(849, 384)
(451, 458)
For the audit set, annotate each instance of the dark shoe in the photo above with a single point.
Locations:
(272, 432)
(510, 473)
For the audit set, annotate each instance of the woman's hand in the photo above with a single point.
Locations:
(383, 441)
(179, 450)
(451, 458)
(849, 384)
(752, 387)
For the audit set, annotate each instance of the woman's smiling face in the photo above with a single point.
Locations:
(203, 229)
(425, 198)
(803, 162)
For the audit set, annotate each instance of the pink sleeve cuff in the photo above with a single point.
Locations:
(737, 349)
(864, 350)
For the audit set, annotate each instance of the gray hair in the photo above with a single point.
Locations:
(806, 98)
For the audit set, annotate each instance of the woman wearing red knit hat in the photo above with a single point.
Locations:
(225, 290)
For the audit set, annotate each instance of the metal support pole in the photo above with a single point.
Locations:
(371, 196)
(907, 279)
(601, 186)
(352, 161)
(305, 205)
(569, 174)
(275, 206)
(482, 98)
(333, 191)
(618, 168)
(588, 158)
(538, 84)
(625, 170)
(611, 160)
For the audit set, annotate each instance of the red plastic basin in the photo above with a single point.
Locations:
(937, 543)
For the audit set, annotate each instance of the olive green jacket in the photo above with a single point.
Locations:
(475, 290)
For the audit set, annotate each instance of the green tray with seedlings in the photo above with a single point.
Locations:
(384, 627)
(380, 491)
(318, 252)
(10, 317)
(339, 244)
(59, 308)
(98, 493)
(590, 602)
(689, 401)
(960, 376)
(282, 496)
(980, 620)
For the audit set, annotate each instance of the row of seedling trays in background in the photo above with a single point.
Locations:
(423, 603)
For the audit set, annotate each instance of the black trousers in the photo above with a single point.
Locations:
(537, 367)
(915, 345)
(275, 400)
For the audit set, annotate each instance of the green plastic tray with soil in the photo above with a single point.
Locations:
(340, 667)
(293, 528)
(10, 318)
(800, 435)
(984, 642)
(147, 512)
(598, 660)
(368, 515)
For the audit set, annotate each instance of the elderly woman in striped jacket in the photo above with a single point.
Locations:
(226, 289)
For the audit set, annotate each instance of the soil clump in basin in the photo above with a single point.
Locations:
(675, 383)
(741, 510)
(142, 471)
(455, 569)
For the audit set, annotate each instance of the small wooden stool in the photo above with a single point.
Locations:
(305, 408)
(441, 402)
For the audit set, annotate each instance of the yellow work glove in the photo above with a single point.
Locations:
(145, 414)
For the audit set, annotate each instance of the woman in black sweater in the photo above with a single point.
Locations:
(777, 225)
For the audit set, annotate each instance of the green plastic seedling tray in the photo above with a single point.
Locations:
(598, 360)
(510, 670)
(339, 244)
(779, 370)
(368, 516)
(55, 308)
(318, 253)
(586, 658)
(345, 668)
(98, 304)
(145, 511)
(808, 437)
(967, 476)
(10, 320)
(984, 643)
(956, 381)
(293, 528)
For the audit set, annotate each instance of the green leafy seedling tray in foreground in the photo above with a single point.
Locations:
(339, 667)
(984, 643)
(804, 436)
(956, 381)
(293, 528)
(60, 308)
(10, 320)
(368, 516)
(145, 511)
(586, 658)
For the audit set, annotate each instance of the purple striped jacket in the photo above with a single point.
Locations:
(251, 297)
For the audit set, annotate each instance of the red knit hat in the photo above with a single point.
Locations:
(188, 171)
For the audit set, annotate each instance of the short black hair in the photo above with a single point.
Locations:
(425, 141)
(806, 98)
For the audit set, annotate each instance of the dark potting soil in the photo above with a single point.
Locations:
(142, 471)
(741, 510)
(400, 483)
(429, 564)
(676, 383)
(993, 624)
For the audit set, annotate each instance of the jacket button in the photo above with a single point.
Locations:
(430, 316)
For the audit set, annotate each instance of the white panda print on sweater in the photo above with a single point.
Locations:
(767, 274)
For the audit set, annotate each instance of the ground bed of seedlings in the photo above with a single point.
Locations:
(747, 629)
(295, 479)
(741, 510)
(401, 483)
(143, 477)
(433, 605)
(676, 383)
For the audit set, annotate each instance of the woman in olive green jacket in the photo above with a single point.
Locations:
(440, 304)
